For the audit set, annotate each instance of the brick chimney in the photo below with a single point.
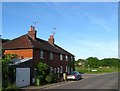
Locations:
(51, 40)
(32, 32)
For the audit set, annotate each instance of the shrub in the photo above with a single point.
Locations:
(11, 87)
(49, 78)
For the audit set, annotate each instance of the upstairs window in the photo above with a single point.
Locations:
(41, 54)
(71, 58)
(61, 57)
(51, 55)
(66, 58)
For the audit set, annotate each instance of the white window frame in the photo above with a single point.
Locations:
(41, 54)
(61, 69)
(71, 58)
(66, 57)
(55, 70)
(51, 69)
(61, 56)
(58, 70)
(66, 68)
(51, 55)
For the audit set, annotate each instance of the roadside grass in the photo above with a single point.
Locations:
(95, 70)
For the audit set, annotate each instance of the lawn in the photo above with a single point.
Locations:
(96, 70)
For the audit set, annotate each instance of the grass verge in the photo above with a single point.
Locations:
(95, 70)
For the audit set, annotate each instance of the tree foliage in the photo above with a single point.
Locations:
(94, 62)
(42, 67)
(7, 71)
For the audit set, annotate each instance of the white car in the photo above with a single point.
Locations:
(74, 76)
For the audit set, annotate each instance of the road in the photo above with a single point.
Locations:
(104, 81)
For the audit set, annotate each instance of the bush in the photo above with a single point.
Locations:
(49, 78)
(55, 78)
(11, 87)
(52, 78)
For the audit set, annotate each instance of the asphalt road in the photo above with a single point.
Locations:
(104, 81)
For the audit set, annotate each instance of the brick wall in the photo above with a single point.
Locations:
(22, 53)
(35, 53)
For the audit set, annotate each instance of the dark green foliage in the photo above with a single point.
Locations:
(42, 71)
(8, 73)
(42, 68)
(49, 78)
(5, 40)
(94, 62)
(11, 87)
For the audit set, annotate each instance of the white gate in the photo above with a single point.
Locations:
(22, 77)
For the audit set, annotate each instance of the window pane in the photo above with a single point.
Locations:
(51, 55)
(61, 57)
(41, 54)
(66, 57)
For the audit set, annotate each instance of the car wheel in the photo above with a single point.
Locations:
(77, 78)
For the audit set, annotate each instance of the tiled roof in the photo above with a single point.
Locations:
(60, 48)
(26, 41)
(17, 43)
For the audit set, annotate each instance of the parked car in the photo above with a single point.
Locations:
(74, 75)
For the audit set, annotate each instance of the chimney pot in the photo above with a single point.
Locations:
(32, 32)
(51, 40)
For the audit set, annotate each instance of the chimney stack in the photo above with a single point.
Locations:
(51, 40)
(32, 32)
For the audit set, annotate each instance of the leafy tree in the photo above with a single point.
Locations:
(5, 40)
(92, 62)
(42, 68)
(42, 71)
(82, 61)
(7, 71)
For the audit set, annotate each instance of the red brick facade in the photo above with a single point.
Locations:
(21, 53)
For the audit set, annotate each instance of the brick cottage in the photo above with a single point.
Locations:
(31, 50)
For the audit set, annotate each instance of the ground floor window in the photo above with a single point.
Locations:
(58, 70)
(51, 69)
(66, 68)
(55, 70)
(61, 69)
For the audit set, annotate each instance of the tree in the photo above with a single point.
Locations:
(92, 62)
(42, 71)
(82, 61)
(42, 67)
(5, 40)
(7, 71)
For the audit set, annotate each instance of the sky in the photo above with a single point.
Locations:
(86, 29)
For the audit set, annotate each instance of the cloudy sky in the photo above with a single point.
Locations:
(84, 28)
